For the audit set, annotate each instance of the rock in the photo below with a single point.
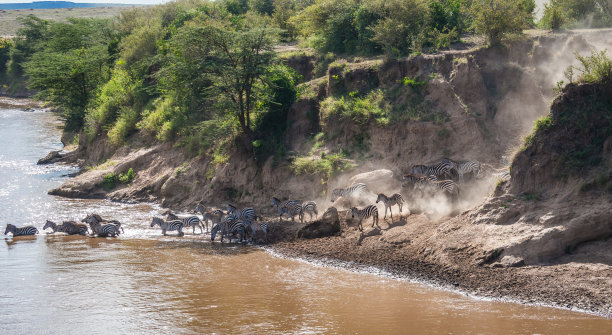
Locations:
(328, 225)
(52, 157)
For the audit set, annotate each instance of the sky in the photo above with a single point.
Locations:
(135, 2)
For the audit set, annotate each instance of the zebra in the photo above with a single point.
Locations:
(245, 213)
(309, 207)
(348, 192)
(114, 222)
(214, 217)
(191, 221)
(227, 228)
(395, 199)
(168, 225)
(416, 182)
(102, 229)
(442, 168)
(289, 207)
(369, 211)
(447, 186)
(255, 226)
(470, 168)
(69, 227)
(25, 230)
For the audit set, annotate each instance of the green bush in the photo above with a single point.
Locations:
(326, 165)
(553, 18)
(126, 178)
(110, 181)
(498, 18)
(360, 110)
(596, 68)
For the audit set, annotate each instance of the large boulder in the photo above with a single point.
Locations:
(377, 181)
(328, 225)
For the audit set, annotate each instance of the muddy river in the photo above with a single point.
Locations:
(143, 283)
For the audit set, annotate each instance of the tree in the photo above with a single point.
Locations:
(497, 18)
(237, 62)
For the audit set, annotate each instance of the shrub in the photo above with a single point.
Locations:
(553, 17)
(326, 165)
(596, 68)
(110, 181)
(360, 110)
(126, 178)
(497, 18)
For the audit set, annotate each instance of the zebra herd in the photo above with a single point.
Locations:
(443, 177)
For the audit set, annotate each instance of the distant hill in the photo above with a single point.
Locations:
(55, 4)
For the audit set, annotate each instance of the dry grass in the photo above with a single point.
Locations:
(9, 23)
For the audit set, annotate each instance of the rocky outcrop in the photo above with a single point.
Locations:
(328, 225)
(52, 157)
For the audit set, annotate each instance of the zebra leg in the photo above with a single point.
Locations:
(164, 232)
(375, 219)
(390, 211)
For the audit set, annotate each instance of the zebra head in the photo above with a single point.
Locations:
(172, 217)
(380, 197)
(91, 219)
(49, 224)
(156, 221)
(199, 209)
(9, 228)
(214, 231)
(336, 194)
(354, 211)
(275, 202)
(230, 208)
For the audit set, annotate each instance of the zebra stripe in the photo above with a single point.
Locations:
(289, 207)
(447, 186)
(395, 199)
(227, 228)
(442, 168)
(68, 227)
(168, 225)
(26, 230)
(190, 221)
(349, 192)
(470, 168)
(114, 222)
(255, 226)
(100, 229)
(369, 211)
(309, 207)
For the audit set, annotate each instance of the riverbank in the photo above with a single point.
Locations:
(570, 283)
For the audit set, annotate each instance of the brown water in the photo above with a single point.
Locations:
(142, 283)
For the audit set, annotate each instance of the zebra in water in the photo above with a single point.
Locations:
(99, 228)
(349, 192)
(369, 211)
(114, 222)
(214, 217)
(309, 207)
(25, 230)
(68, 227)
(393, 200)
(190, 221)
(168, 225)
(227, 228)
(289, 207)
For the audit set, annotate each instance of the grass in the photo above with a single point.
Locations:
(9, 23)
(107, 164)
(361, 110)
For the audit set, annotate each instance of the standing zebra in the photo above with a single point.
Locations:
(245, 213)
(255, 226)
(349, 192)
(26, 230)
(468, 168)
(309, 207)
(440, 169)
(227, 228)
(190, 221)
(395, 199)
(289, 207)
(99, 228)
(214, 217)
(114, 222)
(369, 211)
(168, 225)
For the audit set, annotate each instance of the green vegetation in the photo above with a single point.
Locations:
(576, 14)
(360, 110)
(126, 178)
(498, 18)
(326, 165)
(110, 181)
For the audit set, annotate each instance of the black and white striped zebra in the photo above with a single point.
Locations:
(190, 221)
(228, 228)
(289, 207)
(393, 200)
(309, 207)
(470, 169)
(114, 222)
(349, 192)
(68, 227)
(369, 211)
(215, 217)
(167, 226)
(448, 187)
(257, 226)
(245, 213)
(101, 229)
(440, 169)
(415, 183)
(25, 230)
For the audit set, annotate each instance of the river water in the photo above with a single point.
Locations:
(142, 283)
